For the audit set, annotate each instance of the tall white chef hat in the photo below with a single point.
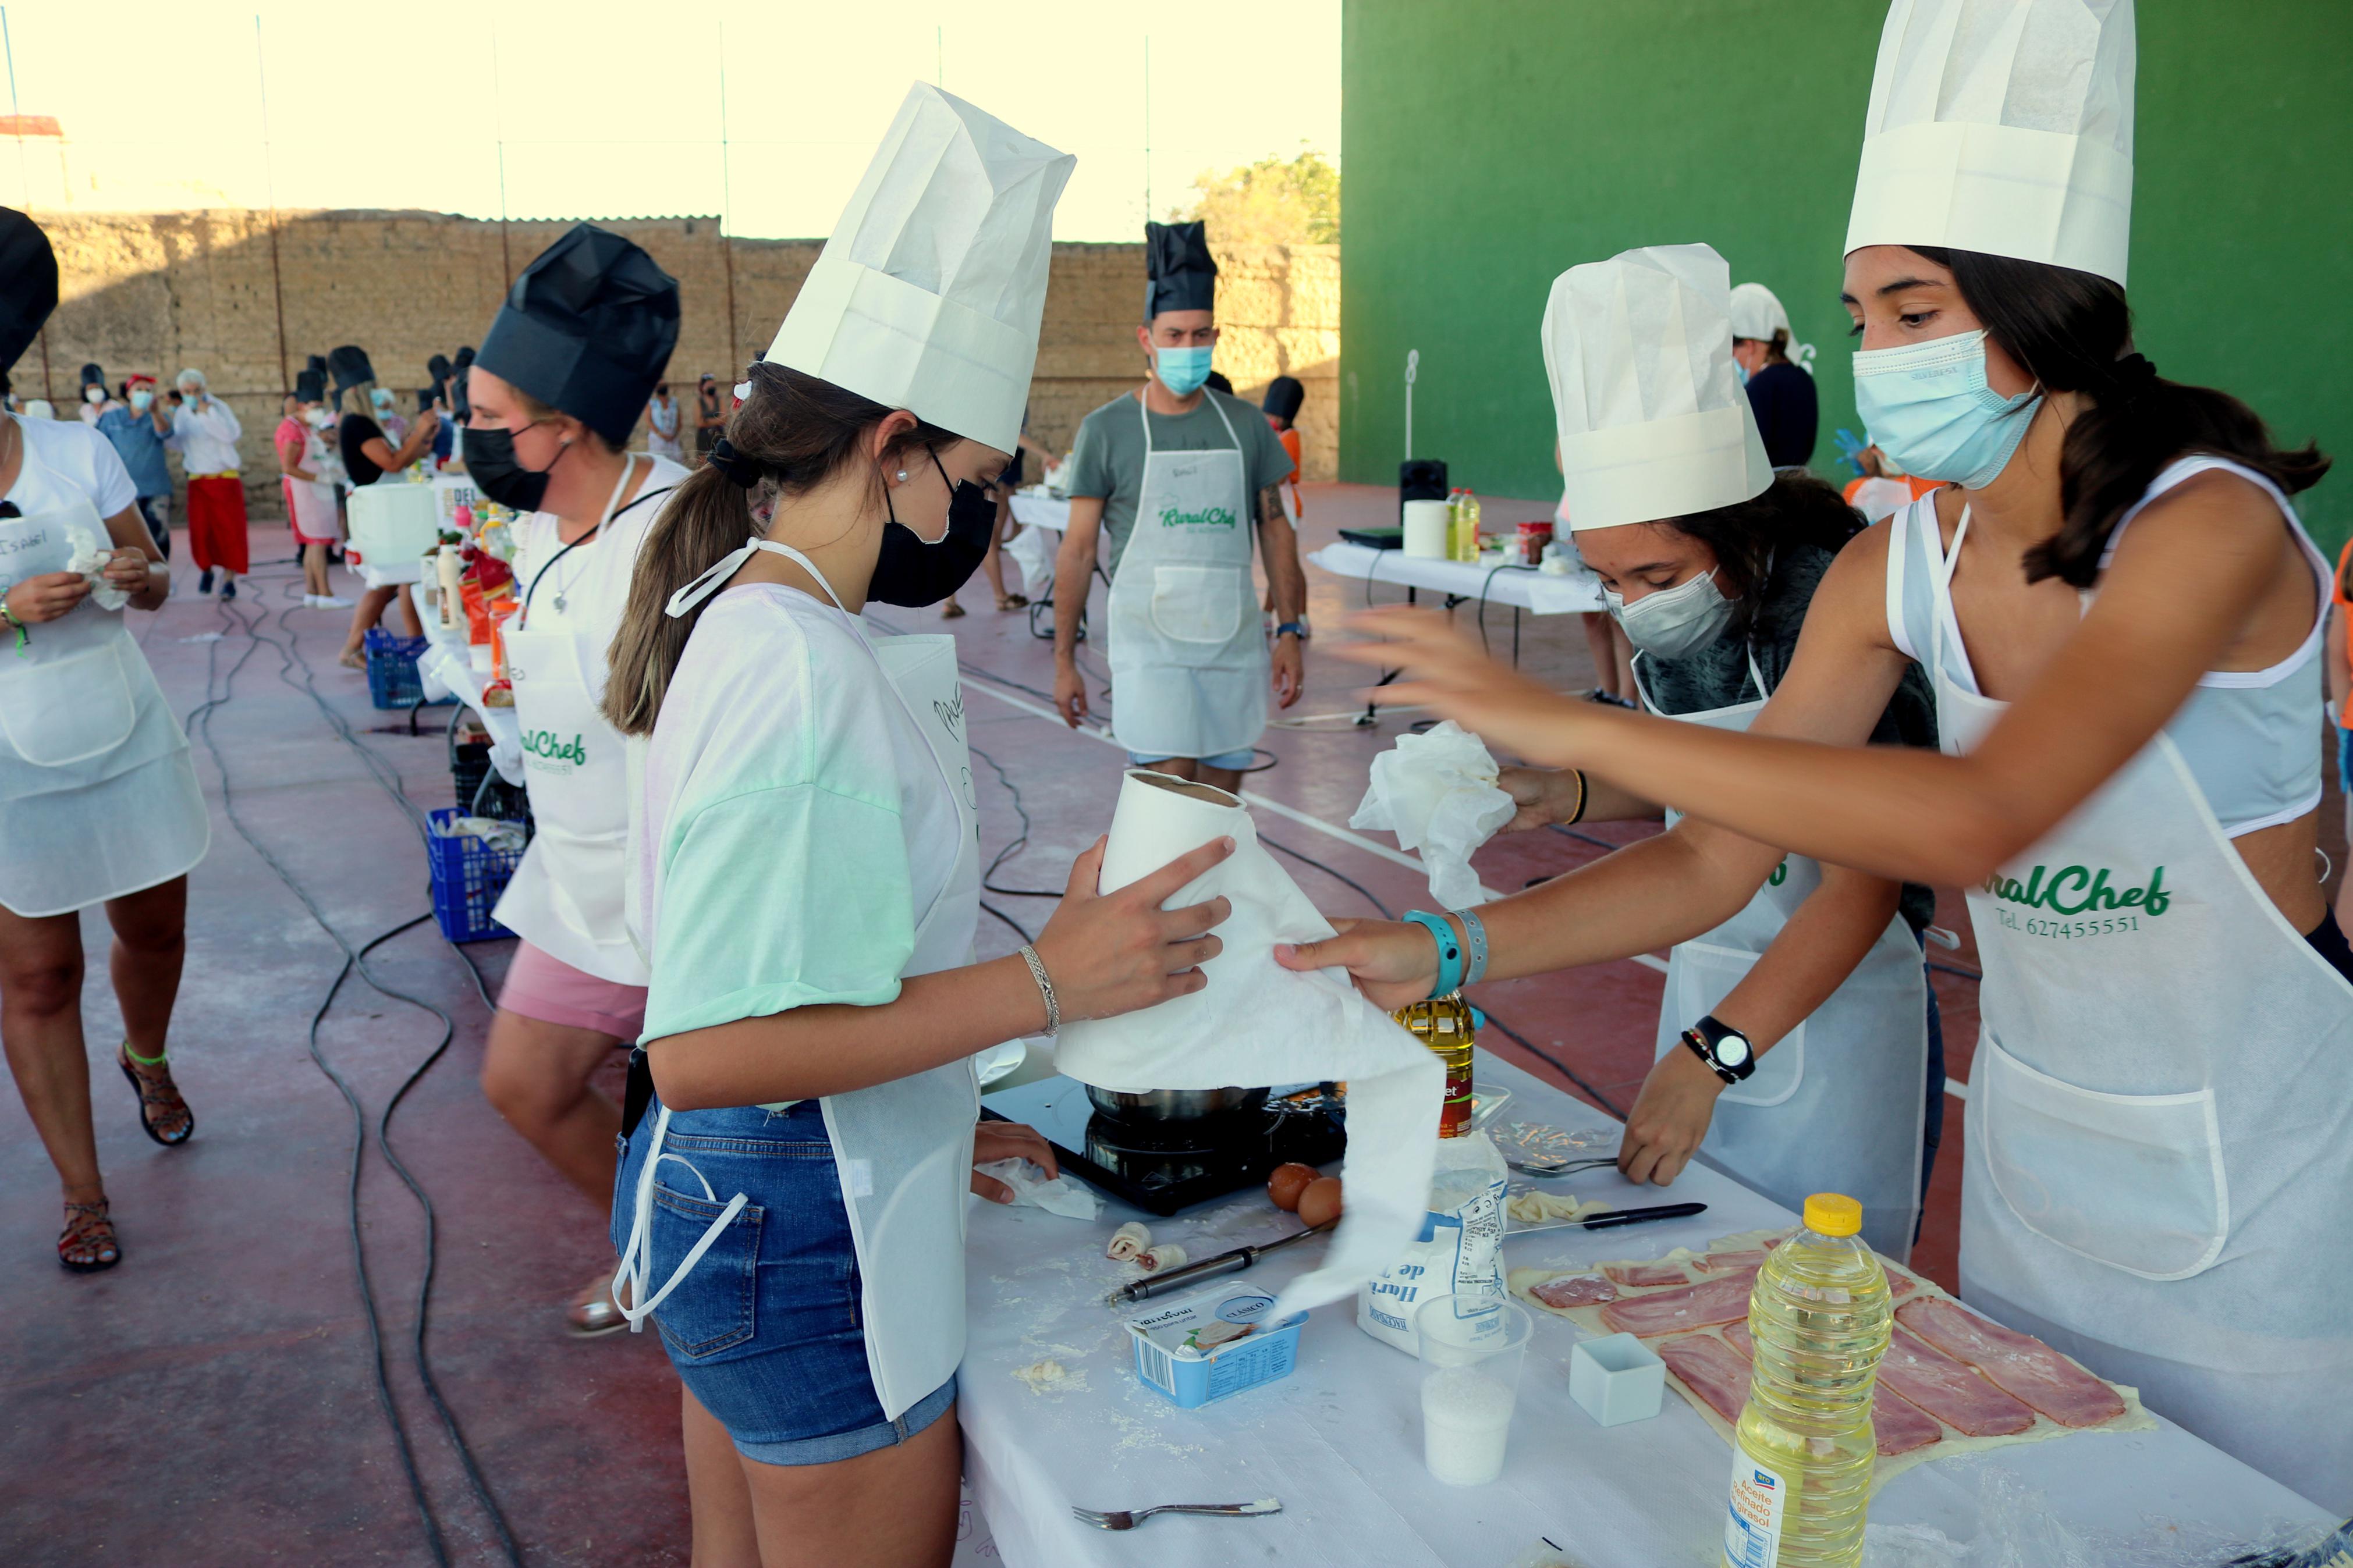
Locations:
(1652, 421)
(928, 295)
(2005, 127)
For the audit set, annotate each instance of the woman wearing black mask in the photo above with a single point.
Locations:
(560, 381)
(367, 458)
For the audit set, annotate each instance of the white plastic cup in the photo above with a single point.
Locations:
(1472, 1349)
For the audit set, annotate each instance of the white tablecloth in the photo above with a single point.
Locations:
(1517, 586)
(1339, 1440)
(445, 669)
(1035, 509)
(1043, 520)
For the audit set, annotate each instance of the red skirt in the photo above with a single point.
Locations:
(216, 523)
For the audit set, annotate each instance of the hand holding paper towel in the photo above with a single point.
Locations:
(89, 559)
(1257, 1024)
(1438, 794)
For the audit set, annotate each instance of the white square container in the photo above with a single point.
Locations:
(1617, 1379)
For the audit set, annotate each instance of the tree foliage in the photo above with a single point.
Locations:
(1274, 201)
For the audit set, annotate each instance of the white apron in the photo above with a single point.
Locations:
(97, 794)
(1838, 1104)
(568, 898)
(902, 1149)
(1189, 667)
(2160, 1116)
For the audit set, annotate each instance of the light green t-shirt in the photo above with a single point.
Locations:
(794, 826)
(1109, 458)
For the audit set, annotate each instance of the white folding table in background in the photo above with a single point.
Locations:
(445, 669)
(1339, 1440)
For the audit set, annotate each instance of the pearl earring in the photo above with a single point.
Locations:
(903, 476)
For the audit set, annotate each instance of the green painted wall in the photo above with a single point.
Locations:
(1490, 144)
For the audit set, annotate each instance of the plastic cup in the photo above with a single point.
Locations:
(1471, 1348)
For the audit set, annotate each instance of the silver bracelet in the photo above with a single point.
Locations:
(1475, 968)
(1045, 988)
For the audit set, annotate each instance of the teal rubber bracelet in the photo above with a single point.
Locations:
(1449, 951)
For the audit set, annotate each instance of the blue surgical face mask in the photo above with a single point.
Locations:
(1673, 622)
(143, 400)
(1929, 408)
(1181, 371)
(1741, 371)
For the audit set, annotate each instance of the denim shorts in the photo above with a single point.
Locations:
(1232, 762)
(765, 1330)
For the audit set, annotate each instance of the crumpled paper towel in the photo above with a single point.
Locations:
(1257, 1024)
(1032, 1189)
(1437, 793)
(90, 561)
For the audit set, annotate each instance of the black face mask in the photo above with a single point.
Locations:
(491, 463)
(913, 574)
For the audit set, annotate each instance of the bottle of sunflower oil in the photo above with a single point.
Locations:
(1444, 1024)
(1819, 1314)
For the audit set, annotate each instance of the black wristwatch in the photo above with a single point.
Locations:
(1725, 1049)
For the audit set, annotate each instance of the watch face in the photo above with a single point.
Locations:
(1732, 1051)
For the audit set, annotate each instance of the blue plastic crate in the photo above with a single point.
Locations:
(467, 878)
(1172, 1358)
(391, 670)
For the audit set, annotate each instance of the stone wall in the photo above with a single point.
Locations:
(155, 291)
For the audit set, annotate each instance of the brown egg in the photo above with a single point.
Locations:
(1286, 1183)
(1320, 1202)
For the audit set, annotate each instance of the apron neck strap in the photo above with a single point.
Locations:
(1143, 412)
(1940, 596)
(684, 600)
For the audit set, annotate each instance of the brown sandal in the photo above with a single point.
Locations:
(1012, 602)
(87, 1245)
(162, 1097)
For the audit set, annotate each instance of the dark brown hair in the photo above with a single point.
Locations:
(795, 432)
(2073, 332)
(1795, 508)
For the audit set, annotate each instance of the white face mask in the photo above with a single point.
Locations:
(316, 418)
(93, 395)
(1673, 622)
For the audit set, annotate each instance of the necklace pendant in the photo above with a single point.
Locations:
(559, 602)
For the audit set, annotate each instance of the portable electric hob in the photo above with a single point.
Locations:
(1164, 1166)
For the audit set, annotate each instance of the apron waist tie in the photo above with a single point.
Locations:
(638, 1254)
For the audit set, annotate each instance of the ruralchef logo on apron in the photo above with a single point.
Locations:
(2079, 890)
(1208, 517)
(549, 746)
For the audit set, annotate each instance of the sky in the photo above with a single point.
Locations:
(599, 108)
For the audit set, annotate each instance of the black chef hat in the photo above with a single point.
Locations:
(1284, 395)
(587, 328)
(349, 366)
(437, 370)
(318, 362)
(310, 385)
(1184, 277)
(28, 283)
(92, 376)
(425, 395)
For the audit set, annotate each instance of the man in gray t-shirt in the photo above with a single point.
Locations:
(1190, 663)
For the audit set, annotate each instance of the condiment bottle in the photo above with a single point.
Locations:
(1445, 1024)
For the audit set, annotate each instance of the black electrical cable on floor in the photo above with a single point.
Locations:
(200, 719)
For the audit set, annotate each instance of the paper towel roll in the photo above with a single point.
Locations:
(1426, 528)
(1257, 1023)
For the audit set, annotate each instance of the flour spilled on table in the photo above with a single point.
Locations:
(1051, 1376)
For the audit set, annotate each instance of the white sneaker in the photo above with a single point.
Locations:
(310, 601)
(331, 602)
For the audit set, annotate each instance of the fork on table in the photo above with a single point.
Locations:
(1120, 1518)
(1569, 1168)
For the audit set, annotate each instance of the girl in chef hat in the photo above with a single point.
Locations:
(804, 875)
(2122, 617)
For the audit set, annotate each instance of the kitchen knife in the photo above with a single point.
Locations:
(1640, 1217)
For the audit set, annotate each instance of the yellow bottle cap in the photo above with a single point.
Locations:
(1833, 1214)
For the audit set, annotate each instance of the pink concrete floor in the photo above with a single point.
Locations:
(211, 1401)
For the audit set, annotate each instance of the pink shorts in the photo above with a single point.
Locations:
(539, 986)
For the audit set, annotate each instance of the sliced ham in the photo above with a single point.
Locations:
(1717, 1262)
(1949, 1391)
(1711, 1369)
(1573, 1290)
(1900, 1285)
(1720, 1299)
(1899, 1425)
(2023, 1365)
(1639, 1275)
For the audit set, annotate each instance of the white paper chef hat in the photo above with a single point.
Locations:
(1652, 421)
(2004, 127)
(928, 295)
(1757, 313)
